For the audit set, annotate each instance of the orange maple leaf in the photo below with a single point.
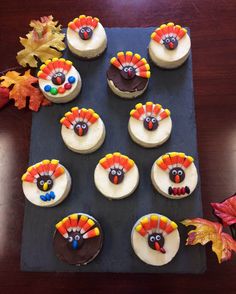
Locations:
(206, 231)
(23, 89)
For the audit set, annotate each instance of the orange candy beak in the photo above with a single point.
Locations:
(177, 179)
(80, 132)
(85, 35)
(150, 125)
(158, 248)
(115, 180)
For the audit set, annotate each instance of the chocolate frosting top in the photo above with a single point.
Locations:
(86, 253)
(132, 85)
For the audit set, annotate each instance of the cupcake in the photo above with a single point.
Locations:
(169, 46)
(174, 175)
(82, 130)
(78, 239)
(128, 75)
(116, 176)
(155, 239)
(59, 81)
(86, 37)
(149, 124)
(46, 183)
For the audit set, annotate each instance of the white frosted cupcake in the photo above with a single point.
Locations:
(46, 183)
(155, 239)
(83, 131)
(174, 175)
(170, 46)
(116, 176)
(149, 124)
(86, 37)
(59, 80)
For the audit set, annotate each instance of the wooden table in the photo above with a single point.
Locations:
(213, 25)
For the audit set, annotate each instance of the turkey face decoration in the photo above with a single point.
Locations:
(117, 166)
(150, 123)
(154, 228)
(79, 120)
(170, 43)
(131, 65)
(176, 166)
(43, 175)
(44, 183)
(177, 175)
(76, 229)
(116, 175)
(84, 26)
(169, 35)
(57, 76)
(156, 242)
(151, 114)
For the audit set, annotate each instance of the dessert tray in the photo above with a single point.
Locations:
(174, 90)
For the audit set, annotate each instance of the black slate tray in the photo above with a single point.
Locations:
(174, 90)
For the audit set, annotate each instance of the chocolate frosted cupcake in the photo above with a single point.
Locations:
(128, 74)
(78, 239)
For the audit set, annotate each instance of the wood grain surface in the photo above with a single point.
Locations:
(213, 26)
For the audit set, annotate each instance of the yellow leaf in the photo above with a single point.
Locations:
(44, 42)
(207, 231)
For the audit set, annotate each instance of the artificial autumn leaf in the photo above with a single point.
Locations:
(226, 210)
(22, 88)
(206, 231)
(4, 96)
(44, 42)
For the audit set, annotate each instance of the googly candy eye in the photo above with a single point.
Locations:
(174, 172)
(84, 126)
(77, 237)
(152, 239)
(148, 119)
(119, 172)
(82, 30)
(41, 182)
(180, 172)
(113, 172)
(153, 120)
(158, 238)
(167, 40)
(70, 239)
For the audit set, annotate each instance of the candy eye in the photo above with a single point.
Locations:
(84, 126)
(130, 68)
(41, 182)
(173, 40)
(70, 239)
(113, 172)
(167, 40)
(174, 172)
(148, 119)
(152, 239)
(82, 30)
(153, 120)
(126, 69)
(49, 181)
(180, 172)
(88, 30)
(77, 237)
(119, 173)
(158, 238)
